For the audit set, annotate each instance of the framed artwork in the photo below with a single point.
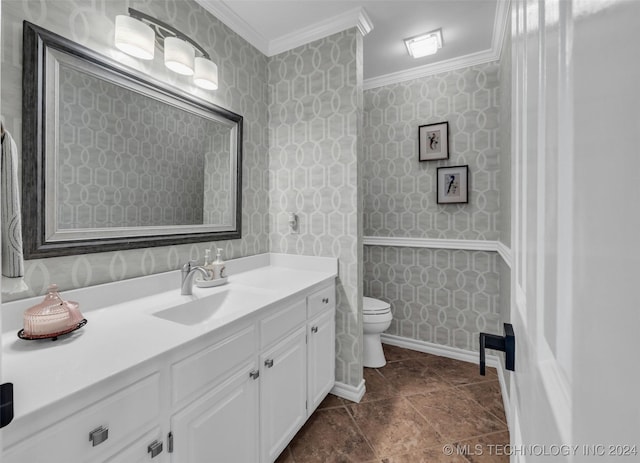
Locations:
(453, 184)
(433, 141)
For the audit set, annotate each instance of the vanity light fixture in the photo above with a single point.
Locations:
(424, 44)
(206, 74)
(179, 56)
(138, 34)
(134, 37)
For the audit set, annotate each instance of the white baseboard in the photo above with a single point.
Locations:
(506, 403)
(515, 432)
(349, 392)
(438, 349)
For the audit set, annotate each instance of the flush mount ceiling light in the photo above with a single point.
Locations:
(424, 44)
(138, 34)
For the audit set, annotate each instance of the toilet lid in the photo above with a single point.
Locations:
(371, 306)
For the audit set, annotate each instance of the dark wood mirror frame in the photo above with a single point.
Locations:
(36, 41)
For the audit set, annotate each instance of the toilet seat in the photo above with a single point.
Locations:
(371, 306)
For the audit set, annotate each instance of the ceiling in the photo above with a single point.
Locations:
(472, 30)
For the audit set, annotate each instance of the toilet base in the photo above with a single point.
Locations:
(373, 354)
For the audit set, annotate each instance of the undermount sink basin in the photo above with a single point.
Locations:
(213, 306)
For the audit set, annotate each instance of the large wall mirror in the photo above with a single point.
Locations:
(113, 159)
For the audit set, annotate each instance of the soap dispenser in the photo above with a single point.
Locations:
(218, 266)
(208, 264)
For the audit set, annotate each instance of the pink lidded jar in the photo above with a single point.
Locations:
(52, 317)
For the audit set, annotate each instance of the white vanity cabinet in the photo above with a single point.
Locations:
(321, 334)
(140, 450)
(122, 421)
(283, 393)
(255, 411)
(298, 368)
(236, 394)
(214, 398)
(320, 358)
(222, 425)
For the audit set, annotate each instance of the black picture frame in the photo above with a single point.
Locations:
(433, 142)
(453, 185)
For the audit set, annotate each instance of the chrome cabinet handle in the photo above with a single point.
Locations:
(155, 448)
(314, 329)
(268, 363)
(254, 374)
(99, 435)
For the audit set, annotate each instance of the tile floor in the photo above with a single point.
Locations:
(414, 407)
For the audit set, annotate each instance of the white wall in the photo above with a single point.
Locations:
(606, 76)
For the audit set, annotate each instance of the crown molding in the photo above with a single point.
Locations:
(472, 59)
(356, 17)
(233, 21)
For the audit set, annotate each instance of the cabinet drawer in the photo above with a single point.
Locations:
(138, 452)
(194, 375)
(126, 414)
(276, 325)
(321, 300)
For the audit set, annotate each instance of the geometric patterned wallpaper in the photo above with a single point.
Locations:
(400, 192)
(315, 114)
(242, 73)
(125, 159)
(441, 296)
(217, 182)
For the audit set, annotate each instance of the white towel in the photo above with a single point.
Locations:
(12, 257)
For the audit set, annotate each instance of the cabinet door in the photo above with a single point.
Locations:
(283, 393)
(222, 426)
(321, 358)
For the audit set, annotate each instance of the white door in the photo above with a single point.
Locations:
(575, 228)
(222, 426)
(540, 395)
(283, 393)
(320, 358)
(1, 445)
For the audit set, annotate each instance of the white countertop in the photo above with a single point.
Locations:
(122, 332)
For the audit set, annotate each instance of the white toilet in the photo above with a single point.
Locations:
(377, 318)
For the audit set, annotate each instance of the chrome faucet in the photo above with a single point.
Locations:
(188, 271)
